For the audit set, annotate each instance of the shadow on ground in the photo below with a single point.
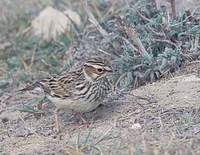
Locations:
(163, 117)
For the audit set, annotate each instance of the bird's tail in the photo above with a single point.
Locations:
(32, 86)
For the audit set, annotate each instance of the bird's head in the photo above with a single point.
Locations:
(97, 68)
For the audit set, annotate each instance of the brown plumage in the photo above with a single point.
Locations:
(81, 90)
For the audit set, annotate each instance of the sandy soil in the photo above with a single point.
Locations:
(159, 118)
(156, 118)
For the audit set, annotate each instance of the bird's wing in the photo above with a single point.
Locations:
(61, 86)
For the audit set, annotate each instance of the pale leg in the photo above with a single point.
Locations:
(81, 117)
(56, 120)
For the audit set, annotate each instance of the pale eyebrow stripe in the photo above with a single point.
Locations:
(94, 65)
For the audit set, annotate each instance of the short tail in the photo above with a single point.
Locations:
(32, 86)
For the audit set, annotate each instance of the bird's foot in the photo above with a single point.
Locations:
(56, 125)
(84, 121)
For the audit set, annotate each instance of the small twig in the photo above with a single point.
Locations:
(108, 14)
(32, 59)
(26, 32)
(47, 64)
(195, 61)
(118, 81)
(167, 42)
(112, 11)
(196, 43)
(130, 32)
(74, 25)
(87, 137)
(135, 82)
(148, 99)
(77, 142)
(103, 136)
(142, 50)
(94, 5)
(173, 6)
(100, 50)
(93, 20)
(143, 17)
(188, 17)
(186, 57)
(129, 43)
(191, 56)
(24, 63)
(160, 34)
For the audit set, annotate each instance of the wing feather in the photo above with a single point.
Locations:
(61, 86)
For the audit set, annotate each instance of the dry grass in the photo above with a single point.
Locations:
(148, 120)
(159, 118)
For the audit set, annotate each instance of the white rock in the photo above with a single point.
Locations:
(51, 23)
(136, 126)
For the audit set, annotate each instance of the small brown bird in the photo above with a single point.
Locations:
(81, 90)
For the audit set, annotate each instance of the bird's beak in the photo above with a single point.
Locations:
(109, 69)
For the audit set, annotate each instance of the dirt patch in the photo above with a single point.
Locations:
(162, 117)
(159, 118)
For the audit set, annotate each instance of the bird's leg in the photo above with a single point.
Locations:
(83, 119)
(56, 120)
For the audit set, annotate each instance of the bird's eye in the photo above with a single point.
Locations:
(100, 70)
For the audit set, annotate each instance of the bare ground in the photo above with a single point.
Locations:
(163, 117)
(159, 118)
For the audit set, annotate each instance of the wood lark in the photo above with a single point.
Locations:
(81, 90)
